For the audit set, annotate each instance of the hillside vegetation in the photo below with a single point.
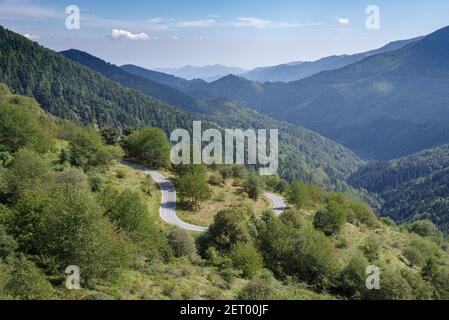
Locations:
(66, 201)
(71, 91)
(411, 188)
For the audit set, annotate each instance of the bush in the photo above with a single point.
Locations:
(191, 185)
(215, 180)
(331, 219)
(351, 281)
(21, 126)
(127, 209)
(26, 282)
(426, 229)
(149, 146)
(298, 251)
(364, 214)
(246, 258)
(8, 244)
(257, 289)
(253, 186)
(298, 195)
(73, 177)
(87, 150)
(227, 230)
(371, 248)
(414, 256)
(28, 171)
(393, 286)
(73, 231)
(181, 243)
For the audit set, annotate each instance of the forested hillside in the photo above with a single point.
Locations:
(151, 88)
(304, 154)
(71, 91)
(411, 188)
(66, 201)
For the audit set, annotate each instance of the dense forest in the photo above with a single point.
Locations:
(67, 201)
(411, 188)
(71, 91)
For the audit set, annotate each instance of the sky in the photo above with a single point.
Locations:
(243, 33)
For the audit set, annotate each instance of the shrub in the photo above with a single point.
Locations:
(426, 229)
(364, 214)
(215, 180)
(246, 258)
(371, 248)
(393, 286)
(253, 186)
(21, 126)
(73, 231)
(25, 281)
(8, 244)
(191, 185)
(181, 243)
(331, 219)
(298, 195)
(351, 281)
(227, 230)
(414, 256)
(301, 252)
(257, 289)
(87, 150)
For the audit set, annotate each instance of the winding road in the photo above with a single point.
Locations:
(167, 210)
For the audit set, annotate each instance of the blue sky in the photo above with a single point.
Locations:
(245, 33)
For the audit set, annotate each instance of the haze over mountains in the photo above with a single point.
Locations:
(299, 70)
(207, 73)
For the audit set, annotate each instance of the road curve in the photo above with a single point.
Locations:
(167, 210)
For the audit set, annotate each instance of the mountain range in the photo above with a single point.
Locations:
(385, 106)
(207, 73)
(299, 70)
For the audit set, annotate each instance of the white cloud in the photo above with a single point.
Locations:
(175, 38)
(123, 34)
(343, 21)
(268, 24)
(31, 37)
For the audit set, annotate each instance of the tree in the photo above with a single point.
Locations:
(74, 231)
(298, 195)
(298, 251)
(127, 209)
(253, 186)
(8, 244)
(26, 281)
(351, 281)
(247, 258)
(88, 151)
(20, 126)
(148, 146)
(181, 243)
(330, 219)
(192, 185)
(110, 135)
(28, 171)
(227, 230)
